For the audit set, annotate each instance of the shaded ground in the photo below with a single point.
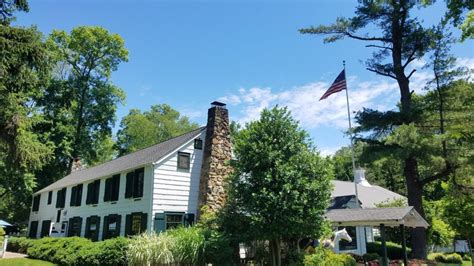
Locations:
(11, 255)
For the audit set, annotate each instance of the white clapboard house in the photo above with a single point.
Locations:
(151, 189)
(163, 186)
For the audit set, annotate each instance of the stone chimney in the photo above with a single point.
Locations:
(216, 156)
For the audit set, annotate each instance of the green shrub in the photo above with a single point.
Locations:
(453, 258)
(79, 251)
(436, 257)
(2, 232)
(466, 257)
(325, 257)
(18, 244)
(394, 251)
(217, 248)
(371, 256)
(446, 258)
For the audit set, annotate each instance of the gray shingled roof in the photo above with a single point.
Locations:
(368, 196)
(139, 158)
(376, 216)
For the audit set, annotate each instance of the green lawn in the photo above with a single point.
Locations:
(464, 263)
(24, 262)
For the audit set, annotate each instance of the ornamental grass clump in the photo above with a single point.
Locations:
(181, 246)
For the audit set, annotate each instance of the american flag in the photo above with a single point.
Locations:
(338, 85)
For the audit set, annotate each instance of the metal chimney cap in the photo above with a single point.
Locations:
(218, 104)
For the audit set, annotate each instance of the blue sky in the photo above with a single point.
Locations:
(247, 53)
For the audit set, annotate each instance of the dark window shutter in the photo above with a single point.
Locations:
(189, 219)
(79, 195)
(70, 230)
(138, 184)
(96, 220)
(45, 226)
(90, 187)
(58, 198)
(36, 203)
(128, 225)
(63, 197)
(95, 197)
(88, 227)
(159, 224)
(33, 229)
(119, 221)
(108, 188)
(50, 197)
(72, 202)
(115, 188)
(144, 222)
(105, 229)
(129, 185)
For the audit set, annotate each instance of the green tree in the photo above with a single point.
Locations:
(81, 101)
(140, 130)
(399, 39)
(7, 7)
(24, 71)
(281, 185)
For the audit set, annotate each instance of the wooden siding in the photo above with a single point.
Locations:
(174, 189)
(121, 207)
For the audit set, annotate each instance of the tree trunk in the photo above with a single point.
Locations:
(275, 252)
(415, 199)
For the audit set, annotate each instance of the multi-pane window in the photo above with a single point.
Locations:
(36, 202)
(50, 197)
(45, 228)
(75, 225)
(61, 198)
(164, 221)
(198, 144)
(76, 195)
(111, 226)
(112, 186)
(92, 228)
(33, 229)
(184, 160)
(134, 187)
(135, 223)
(174, 220)
(93, 192)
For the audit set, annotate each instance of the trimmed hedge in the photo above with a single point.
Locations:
(325, 257)
(394, 251)
(72, 250)
(446, 257)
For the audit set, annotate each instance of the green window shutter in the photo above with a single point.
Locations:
(79, 226)
(129, 185)
(115, 188)
(50, 197)
(108, 188)
(95, 195)
(159, 224)
(88, 225)
(138, 183)
(105, 229)
(79, 195)
(128, 225)
(70, 230)
(72, 202)
(144, 222)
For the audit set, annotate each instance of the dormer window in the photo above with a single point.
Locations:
(184, 160)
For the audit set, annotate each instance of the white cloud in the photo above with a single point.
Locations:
(303, 101)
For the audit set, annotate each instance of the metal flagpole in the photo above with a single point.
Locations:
(350, 135)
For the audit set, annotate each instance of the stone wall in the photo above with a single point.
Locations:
(217, 153)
